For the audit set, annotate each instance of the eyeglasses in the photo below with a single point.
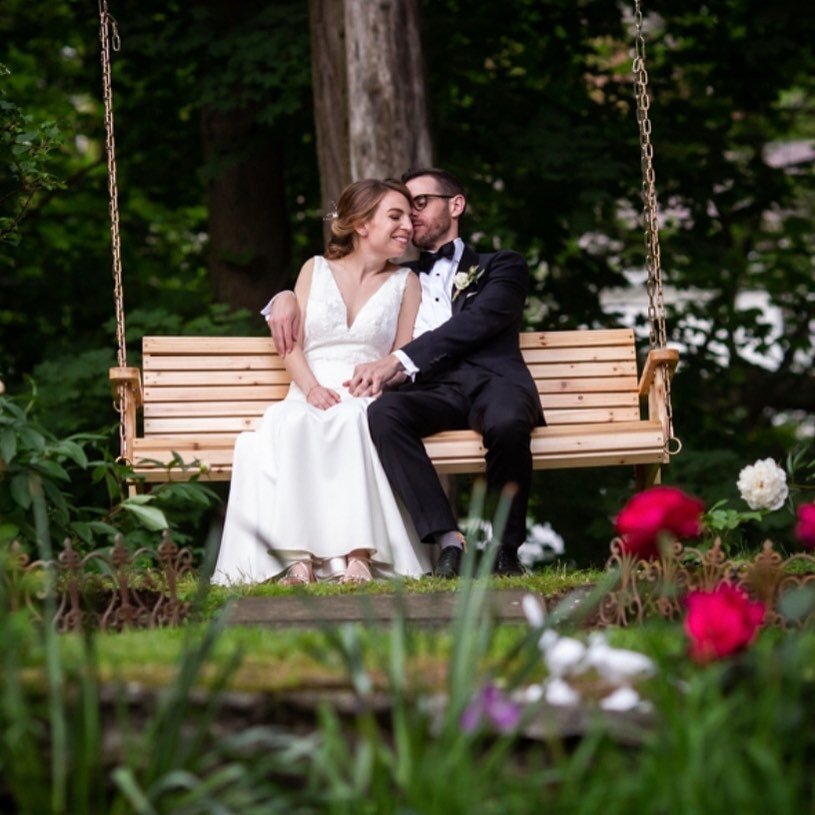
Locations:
(420, 201)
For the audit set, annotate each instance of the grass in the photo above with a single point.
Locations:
(273, 660)
(551, 581)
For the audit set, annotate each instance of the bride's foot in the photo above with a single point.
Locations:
(358, 570)
(300, 573)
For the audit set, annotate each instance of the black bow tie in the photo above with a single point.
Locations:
(428, 259)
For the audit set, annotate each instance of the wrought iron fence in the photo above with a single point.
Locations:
(659, 586)
(109, 589)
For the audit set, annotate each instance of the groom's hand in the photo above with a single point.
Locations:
(284, 323)
(371, 378)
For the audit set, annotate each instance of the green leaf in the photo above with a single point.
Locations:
(150, 517)
(20, 491)
(8, 445)
(137, 499)
(8, 532)
(32, 438)
(71, 450)
(52, 469)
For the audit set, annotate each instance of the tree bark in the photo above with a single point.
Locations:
(330, 88)
(369, 90)
(249, 241)
(249, 237)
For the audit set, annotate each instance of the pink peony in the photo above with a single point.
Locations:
(720, 622)
(652, 512)
(805, 529)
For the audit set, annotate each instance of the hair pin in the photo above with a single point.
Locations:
(332, 213)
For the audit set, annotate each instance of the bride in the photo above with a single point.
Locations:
(309, 498)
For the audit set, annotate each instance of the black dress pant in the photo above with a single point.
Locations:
(467, 397)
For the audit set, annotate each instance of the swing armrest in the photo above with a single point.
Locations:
(130, 377)
(656, 358)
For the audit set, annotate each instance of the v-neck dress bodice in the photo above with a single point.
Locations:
(331, 346)
(308, 483)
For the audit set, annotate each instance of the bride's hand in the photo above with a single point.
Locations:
(322, 398)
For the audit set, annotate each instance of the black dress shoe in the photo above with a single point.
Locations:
(507, 563)
(449, 563)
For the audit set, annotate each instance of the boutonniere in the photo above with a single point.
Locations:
(463, 280)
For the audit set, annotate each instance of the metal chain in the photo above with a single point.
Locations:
(653, 265)
(109, 36)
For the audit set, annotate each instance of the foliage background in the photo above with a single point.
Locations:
(531, 103)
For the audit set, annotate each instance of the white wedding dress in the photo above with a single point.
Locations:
(308, 482)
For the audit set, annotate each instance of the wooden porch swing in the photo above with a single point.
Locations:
(198, 393)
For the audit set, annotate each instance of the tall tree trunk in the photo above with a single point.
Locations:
(249, 237)
(330, 88)
(369, 90)
(249, 241)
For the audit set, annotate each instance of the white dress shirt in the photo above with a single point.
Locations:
(436, 307)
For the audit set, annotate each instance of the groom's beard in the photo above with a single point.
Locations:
(432, 232)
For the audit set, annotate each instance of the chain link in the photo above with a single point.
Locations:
(653, 264)
(109, 36)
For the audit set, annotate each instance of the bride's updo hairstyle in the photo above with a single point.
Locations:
(357, 204)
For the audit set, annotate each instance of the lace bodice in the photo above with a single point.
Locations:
(333, 348)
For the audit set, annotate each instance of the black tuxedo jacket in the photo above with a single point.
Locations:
(483, 329)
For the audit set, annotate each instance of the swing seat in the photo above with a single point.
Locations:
(196, 394)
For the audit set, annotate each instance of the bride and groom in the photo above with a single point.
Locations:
(335, 482)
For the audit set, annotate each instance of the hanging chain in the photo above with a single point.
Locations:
(653, 265)
(109, 36)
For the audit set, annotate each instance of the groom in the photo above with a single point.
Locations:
(465, 368)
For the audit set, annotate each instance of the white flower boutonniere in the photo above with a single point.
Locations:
(463, 280)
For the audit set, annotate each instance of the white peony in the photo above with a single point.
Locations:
(623, 699)
(558, 692)
(564, 656)
(763, 485)
(616, 665)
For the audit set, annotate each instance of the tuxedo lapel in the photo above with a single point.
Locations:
(468, 259)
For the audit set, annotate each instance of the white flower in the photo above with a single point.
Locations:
(763, 485)
(616, 665)
(529, 695)
(564, 656)
(461, 280)
(533, 611)
(622, 699)
(546, 536)
(558, 692)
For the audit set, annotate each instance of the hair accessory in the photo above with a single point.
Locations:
(332, 213)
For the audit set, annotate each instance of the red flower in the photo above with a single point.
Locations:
(720, 622)
(805, 529)
(654, 511)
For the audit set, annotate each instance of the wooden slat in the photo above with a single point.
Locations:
(576, 339)
(570, 400)
(207, 378)
(243, 362)
(578, 370)
(608, 384)
(157, 410)
(592, 354)
(254, 345)
(208, 345)
(198, 425)
(550, 401)
(225, 393)
(592, 416)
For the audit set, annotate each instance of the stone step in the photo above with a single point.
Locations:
(436, 608)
